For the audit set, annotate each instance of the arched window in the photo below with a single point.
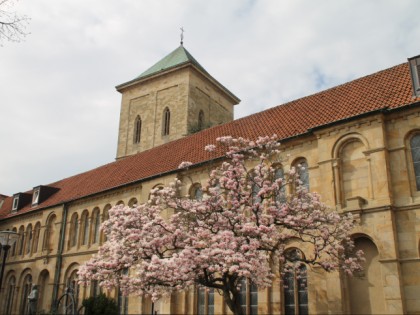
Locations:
(166, 121)
(295, 286)
(28, 239)
(84, 222)
(301, 166)
(26, 289)
(14, 244)
(95, 289)
(415, 154)
(281, 194)
(21, 240)
(123, 299)
(49, 234)
(10, 294)
(132, 202)
(105, 217)
(44, 293)
(74, 286)
(196, 193)
(74, 229)
(200, 120)
(255, 191)
(248, 297)
(37, 231)
(96, 221)
(137, 129)
(205, 301)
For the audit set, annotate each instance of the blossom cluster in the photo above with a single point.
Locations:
(244, 222)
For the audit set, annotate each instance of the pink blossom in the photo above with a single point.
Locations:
(171, 242)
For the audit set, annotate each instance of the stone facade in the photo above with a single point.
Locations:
(363, 166)
(185, 91)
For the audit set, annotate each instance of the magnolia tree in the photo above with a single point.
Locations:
(238, 230)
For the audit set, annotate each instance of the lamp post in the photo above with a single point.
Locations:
(7, 239)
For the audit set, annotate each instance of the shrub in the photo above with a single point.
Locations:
(100, 305)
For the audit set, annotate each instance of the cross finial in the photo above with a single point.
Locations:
(182, 35)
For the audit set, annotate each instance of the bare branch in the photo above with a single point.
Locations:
(12, 25)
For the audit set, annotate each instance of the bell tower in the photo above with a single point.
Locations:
(172, 99)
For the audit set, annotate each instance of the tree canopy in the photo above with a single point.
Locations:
(242, 225)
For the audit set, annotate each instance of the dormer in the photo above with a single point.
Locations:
(20, 200)
(415, 74)
(42, 193)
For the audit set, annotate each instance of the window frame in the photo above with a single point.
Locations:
(84, 231)
(248, 292)
(298, 281)
(137, 130)
(208, 307)
(415, 182)
(166, 122)
(303, 162)
(200, 120)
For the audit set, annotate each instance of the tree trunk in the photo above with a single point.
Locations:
(232, 301)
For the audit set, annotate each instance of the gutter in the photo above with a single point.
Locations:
(57, 273)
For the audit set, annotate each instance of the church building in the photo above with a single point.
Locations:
(359, 141)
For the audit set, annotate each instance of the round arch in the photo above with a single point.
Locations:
(366, 289)
(51, 216)
(346, 139)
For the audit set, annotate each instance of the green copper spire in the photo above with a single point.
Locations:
(176, 58)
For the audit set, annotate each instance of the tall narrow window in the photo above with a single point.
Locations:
(123, 299)
(281, 194)
(96, 219)
(85, 228)
(49, 234)
(201, 120)
(255, 190)
(28, 239)
(37, 230)
(415, 154)
(205, 301)
(14, 244)
(137, 129)
(95, 288)
(26, 289)
(74, 229)
(295, 285)
(196, 192)
(248, 297)
(166, 121)
(10, 291)
(22, 239)
(73, 285)
(105, 217)
(303, 172)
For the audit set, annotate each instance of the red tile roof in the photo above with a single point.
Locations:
(385, 90)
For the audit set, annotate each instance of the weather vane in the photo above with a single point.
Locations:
(182, 35)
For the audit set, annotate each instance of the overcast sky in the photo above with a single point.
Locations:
(59, 109)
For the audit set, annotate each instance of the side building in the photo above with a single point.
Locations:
(360, 142)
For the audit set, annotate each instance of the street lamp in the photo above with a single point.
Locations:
(7, 239)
